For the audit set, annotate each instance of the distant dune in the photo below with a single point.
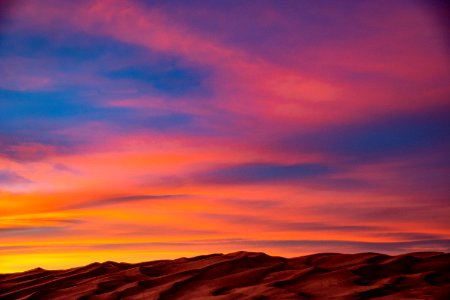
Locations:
(244, 275)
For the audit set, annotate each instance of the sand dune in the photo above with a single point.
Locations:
(244, 275)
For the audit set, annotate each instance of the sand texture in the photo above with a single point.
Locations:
(243, 275)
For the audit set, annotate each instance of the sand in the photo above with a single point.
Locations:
(244, 275)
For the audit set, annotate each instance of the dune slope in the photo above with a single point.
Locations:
(244, 275)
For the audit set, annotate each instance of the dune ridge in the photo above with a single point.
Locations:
(243, 275)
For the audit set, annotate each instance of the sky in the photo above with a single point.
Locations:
(141, 130)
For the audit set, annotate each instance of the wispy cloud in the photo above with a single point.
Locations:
(11, 178)
(272, 224)
(30, 230)
(123, 199)
(262, 172)
(375, 139)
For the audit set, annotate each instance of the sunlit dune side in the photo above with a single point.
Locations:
(244, 275)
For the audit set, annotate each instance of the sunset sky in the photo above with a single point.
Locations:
(141, 130)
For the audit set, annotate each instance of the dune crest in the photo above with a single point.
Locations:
(243, 275)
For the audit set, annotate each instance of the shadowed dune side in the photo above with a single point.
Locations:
(243, 275)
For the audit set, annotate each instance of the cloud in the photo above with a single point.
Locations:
(408, 236)
(149, 230)
(385, 213)
(63, 168)
(26, 152)
(123, 199)
(14, 248)
(49, 220)
(252, 204)
(271, 224)
(31, 230)
(11, 178)
(171, 80)
(382, 137)
(440, 11)
(6, 7)
(34, 226)
(163, 121)
(249, 173)
(313, 175)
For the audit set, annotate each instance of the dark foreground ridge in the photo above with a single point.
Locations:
(244, 275)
